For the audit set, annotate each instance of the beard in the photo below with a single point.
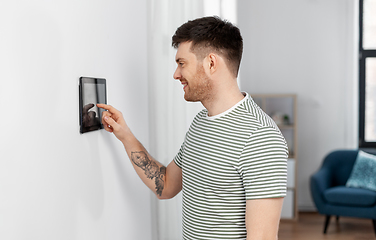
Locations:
(199, 88)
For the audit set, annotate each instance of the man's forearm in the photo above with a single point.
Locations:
(151, 172)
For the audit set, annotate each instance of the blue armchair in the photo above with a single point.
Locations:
(332, 197)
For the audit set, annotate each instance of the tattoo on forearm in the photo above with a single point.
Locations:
(152, 170)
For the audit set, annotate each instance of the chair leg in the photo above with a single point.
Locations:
(327, 220)
(374, 225)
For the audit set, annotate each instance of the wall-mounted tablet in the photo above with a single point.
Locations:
(92, 91)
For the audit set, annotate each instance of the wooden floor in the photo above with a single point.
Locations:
(310, 227)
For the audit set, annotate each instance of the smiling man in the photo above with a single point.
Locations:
(231, 166)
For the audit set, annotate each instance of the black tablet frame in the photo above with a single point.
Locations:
(101, 93)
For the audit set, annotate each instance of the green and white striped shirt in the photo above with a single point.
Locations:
(227, 159)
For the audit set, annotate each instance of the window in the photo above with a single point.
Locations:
(367, 73)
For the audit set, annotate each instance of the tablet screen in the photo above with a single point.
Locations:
(92, 91)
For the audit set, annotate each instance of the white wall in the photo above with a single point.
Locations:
(54, 182)
(308, 48)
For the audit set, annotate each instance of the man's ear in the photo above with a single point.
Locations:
(212, 62)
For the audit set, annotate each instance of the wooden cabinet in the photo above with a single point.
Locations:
(282, 108)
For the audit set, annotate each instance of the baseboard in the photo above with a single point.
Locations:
(307, 208)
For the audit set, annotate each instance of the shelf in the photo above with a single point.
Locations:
(284, 126)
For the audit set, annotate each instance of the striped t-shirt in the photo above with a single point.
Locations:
(227, 159)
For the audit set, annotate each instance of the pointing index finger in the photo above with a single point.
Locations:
(104, 106)
(107, 107)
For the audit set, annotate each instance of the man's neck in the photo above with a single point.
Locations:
(222, 101)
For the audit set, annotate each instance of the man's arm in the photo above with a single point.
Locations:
(262, 218)
(165, 182)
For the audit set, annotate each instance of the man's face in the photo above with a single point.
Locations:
(190, 72)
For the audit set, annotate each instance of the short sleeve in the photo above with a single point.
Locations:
(179, 156)
(263, 164)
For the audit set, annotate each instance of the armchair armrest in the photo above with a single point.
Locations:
(319, 182)
(323, 179)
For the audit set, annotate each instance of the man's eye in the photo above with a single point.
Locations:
(181, 64)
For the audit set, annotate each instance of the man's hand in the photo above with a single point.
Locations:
(113, 121)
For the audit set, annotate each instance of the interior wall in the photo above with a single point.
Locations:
(307, 48)
(54, 182)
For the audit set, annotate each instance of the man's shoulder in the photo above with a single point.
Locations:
(249, 114)
(258, 115)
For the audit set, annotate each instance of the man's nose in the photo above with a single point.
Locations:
(177, 74)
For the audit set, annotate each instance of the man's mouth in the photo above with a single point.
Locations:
(185, 84)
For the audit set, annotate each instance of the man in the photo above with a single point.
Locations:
(232, 163)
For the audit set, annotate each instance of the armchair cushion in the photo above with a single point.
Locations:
(363, 174)
(346, 196)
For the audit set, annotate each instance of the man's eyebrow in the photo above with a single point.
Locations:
(179, 59)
